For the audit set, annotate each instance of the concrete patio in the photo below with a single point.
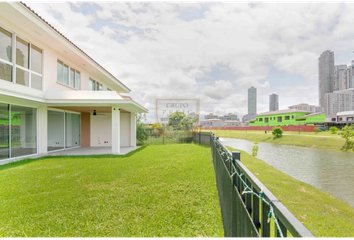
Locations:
(90, 151)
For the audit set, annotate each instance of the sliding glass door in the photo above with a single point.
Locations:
(63, 130)
(4, 131)
(18, 131)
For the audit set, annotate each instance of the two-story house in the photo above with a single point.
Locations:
(53, 96)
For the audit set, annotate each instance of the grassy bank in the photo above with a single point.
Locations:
(323, 214)
(159, 191)
(333, 142)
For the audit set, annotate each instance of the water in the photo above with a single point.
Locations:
(328, 170)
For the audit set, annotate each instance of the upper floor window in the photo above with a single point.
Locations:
(25, 66)
(68, 75)
(95, 86)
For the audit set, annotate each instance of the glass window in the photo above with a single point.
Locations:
(36, 59)
(66, 74)
(22, 77)
(72, 130)
(5, 45)
(55, 130)
(5, 72)
(36, 81)
(23, 131)
(72, 77)
(4, 131)
(77, 80)
(91, 85)
(100, 87)
(59, 71)
(22, 52)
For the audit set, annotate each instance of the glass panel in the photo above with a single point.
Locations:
(5, 45)
(55, 130)
(36, 81)
(97, 86)
(5, 72)
(59, 71)
(72, 77)
(36, 59)
(66, 74)
(4, 131)
(23, 131)
(100, 88)
(72, 130)
(77, 80)
(22, 77)
(22, 49)
(91, 85)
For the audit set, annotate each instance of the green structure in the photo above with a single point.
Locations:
(288, 117)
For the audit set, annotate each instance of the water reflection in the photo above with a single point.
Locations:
(330, 171)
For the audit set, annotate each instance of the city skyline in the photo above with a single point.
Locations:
(217, 63)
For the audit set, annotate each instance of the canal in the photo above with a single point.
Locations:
(328, 170)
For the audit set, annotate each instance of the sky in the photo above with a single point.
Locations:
(213, 51)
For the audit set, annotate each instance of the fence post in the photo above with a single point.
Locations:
(236, 155)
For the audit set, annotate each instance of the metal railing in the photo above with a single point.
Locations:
(246, 204)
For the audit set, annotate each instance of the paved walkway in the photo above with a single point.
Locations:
(90, 151)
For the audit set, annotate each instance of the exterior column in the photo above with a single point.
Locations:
(132, 129)
(115, 130)
(42, 130)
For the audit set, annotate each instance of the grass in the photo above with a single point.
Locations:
(315, 141)
(157, 191)
(323, 214)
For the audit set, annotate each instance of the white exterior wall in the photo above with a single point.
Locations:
(101, 130)
(50, 57)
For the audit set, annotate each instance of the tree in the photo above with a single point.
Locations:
(333, 130)
(348, 134)
(277, 132)
(141, 131)
(176, 118)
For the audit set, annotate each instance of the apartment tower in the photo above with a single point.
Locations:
(252, 101)
(325, 75)
(273, 102)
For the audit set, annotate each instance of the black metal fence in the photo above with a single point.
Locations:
(249, 209)
(175, 136)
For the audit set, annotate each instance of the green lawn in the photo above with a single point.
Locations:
(158, 191)
(327, 141)
(323, 214)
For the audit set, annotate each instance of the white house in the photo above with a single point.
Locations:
(53, 96)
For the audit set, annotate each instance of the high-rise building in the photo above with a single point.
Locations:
(307, 107)
(339, 101)
(273, 102)
(340, 77)
(252, 101)
(325, 75)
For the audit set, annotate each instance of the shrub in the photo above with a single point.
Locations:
(348, 134)
(333, 130)
(141, 131)
(277, 132)
(255, 149)
(315, 130)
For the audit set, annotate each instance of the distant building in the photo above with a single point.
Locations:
(339, 101)
(325, 75)
(308, 108)
(211, 123)
(252, 101)
(248, 117)
(273, 102)
(231, 123)
(340, 77)
(211, 116)
(231, 117)
(288, 117)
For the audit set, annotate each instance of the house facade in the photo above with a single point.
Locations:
(288, 117)
(53, 96)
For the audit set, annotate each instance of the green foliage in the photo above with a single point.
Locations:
(255, 149)
(157, 126)
(316, 130)
(348, 134)
(333, 130)
(141, 131)
(178, 136)
(277, 132)
(176, 118)
(180, 120)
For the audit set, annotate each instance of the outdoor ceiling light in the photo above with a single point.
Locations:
(94, 113)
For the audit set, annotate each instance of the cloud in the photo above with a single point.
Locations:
(162, 49)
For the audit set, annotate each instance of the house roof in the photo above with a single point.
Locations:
(231, 121)
(62, 35)
(282, 112)
(310, 115)
(213, 119)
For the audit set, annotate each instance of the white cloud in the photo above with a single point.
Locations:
(156, 53)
